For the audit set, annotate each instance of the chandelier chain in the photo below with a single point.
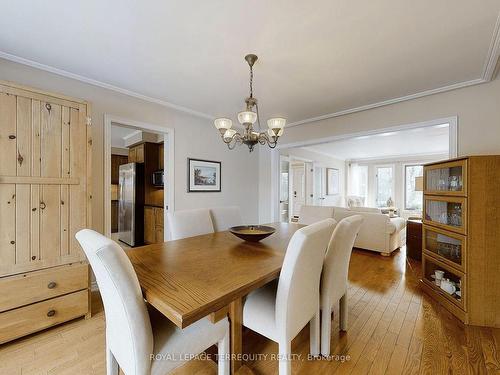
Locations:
(251, 81)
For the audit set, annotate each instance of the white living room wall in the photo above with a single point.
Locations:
(477, 108)
(326, 162)
(194, 137)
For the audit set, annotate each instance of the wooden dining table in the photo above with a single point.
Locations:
(208, 275)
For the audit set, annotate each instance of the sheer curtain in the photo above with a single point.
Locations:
(358, 181)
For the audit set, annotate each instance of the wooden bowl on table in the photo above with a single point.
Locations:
(252, 233)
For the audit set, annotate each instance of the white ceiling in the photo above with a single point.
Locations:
(419, 141)
(315, 57)
(119, 133)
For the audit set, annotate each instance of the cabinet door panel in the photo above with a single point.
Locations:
(132, 155)
(7, 225)
(35, 222)
(50, 222)
(35, 138)
(149, 225)
(24, 136)
(8, 134)
(65, 142)
(159, 235)
(139, 154)
(51, 140)
(64, 230)
(23, 218)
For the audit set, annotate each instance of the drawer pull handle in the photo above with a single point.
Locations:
(51, 313)
(51, 285)
(43, 205)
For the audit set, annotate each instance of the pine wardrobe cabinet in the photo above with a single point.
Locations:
(45, 148)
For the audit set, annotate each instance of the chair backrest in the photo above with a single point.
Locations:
(313, 214)
(297, 298)
(336, 264)
(224, 218)
(189, 223)
(128, 328)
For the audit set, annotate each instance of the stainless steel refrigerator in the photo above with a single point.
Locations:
(131, 204)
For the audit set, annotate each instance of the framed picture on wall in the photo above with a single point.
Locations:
(204, 175)
(332, 181)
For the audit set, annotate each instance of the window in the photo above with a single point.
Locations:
(384, 185)
(413, 198)
(359, 181)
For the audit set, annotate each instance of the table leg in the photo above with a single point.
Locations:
(236, 319)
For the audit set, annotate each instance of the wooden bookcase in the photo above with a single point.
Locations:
(45, 198)
(461, 236)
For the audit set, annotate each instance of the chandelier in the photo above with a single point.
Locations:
(247, 118)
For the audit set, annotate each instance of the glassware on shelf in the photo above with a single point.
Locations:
(444, 179)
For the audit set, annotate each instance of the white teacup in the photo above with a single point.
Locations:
(439, 274)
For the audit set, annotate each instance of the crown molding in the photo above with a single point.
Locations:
(390, 101)
(107, 86)
(493, 53)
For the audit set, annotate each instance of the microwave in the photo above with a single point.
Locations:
(158, 178)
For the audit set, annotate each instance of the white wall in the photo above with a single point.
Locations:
(194, 137)
(326, 162)
(477, 109)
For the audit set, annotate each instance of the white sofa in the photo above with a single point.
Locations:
(378, 232)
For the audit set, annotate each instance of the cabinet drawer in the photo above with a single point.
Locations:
(25, 320)
(23, 289)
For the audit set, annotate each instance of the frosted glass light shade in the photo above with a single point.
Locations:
(271, 134)
(246, 117)
(229, 134)
(223, 123)
(276, 123)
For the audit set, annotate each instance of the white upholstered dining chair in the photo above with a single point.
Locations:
(280, 310)
(334, 277)
(189, 223)
(224, 218)
(313, 214)
(138, 341)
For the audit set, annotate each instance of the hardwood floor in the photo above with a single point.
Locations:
(393, 329)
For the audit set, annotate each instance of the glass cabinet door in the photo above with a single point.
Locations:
(449, 247)
(444, 280)
(446, 212)
(446, 178)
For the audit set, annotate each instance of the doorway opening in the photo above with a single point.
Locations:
(138, 176)
(376, 169)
